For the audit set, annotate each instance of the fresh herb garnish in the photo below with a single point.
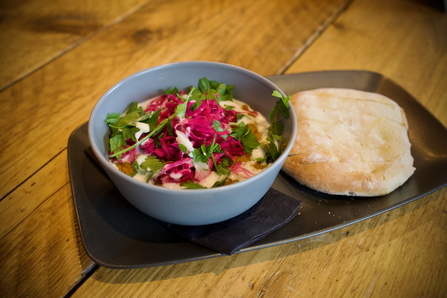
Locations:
(189, 185)
(243, 133)
(276, 128)
(217, 126)
(282, 104)
(183, 148)
(117, 143)
(198, 155)
(223, 167)
(152, 119)
(152, 165)
(173, 91)
(203, 153)
(212, 90)
(181, 108)
(219, 143)
(113, 118)
(157, 129)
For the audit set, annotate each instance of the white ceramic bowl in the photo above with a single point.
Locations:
(199, 206)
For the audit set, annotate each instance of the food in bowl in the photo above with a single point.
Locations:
(192, 206)
(201, 138)
(350, 142)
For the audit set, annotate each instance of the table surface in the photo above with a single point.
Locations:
(58, 57)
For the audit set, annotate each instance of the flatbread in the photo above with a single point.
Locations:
(349, 142)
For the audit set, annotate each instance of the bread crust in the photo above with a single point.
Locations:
(349, 142)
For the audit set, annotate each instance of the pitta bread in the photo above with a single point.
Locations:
(349, 142)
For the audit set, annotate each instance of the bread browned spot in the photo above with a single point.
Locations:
(349, 142)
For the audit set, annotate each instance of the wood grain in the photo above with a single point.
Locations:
(384, 256)
(397, 254)
(73, 83)
(402, 40)
(34, 33)
(401, 253)
(26, 198)
(42, 257)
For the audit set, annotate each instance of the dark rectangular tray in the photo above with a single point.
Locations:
(116, 235)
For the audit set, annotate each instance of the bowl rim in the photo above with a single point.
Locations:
(108, 167)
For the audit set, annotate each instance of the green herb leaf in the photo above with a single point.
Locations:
(170, 130)
(276, 128)
(192, 185)
(183, 148)
(217, 126)
(239, 131)
(152, 164)
(204, 85)
(152, 119)
(222, 170)
(271, 150)
(282, 104)
(225, 92)
(113, 118)
(219, 183)
(134, 107)
(198, 96)
(249, 142)
(155, 131)
(117, 143)
(181, 108)
(128, 119)
(204, 153)
(136, 168)
(195, 105)
(210, 88)
(129, 133)
(173, 91)
(243, 133)
(199, 156)
(213, 148)
(239, 116)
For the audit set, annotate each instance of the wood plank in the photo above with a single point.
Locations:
(40, 247)
(210, 278)
(24, 200)
(75, 81)
(34, 33)
(403, 40)
(396, 254)
(42, 257)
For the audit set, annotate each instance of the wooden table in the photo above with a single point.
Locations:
(58, 57)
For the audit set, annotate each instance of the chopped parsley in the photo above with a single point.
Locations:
(209, 138)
